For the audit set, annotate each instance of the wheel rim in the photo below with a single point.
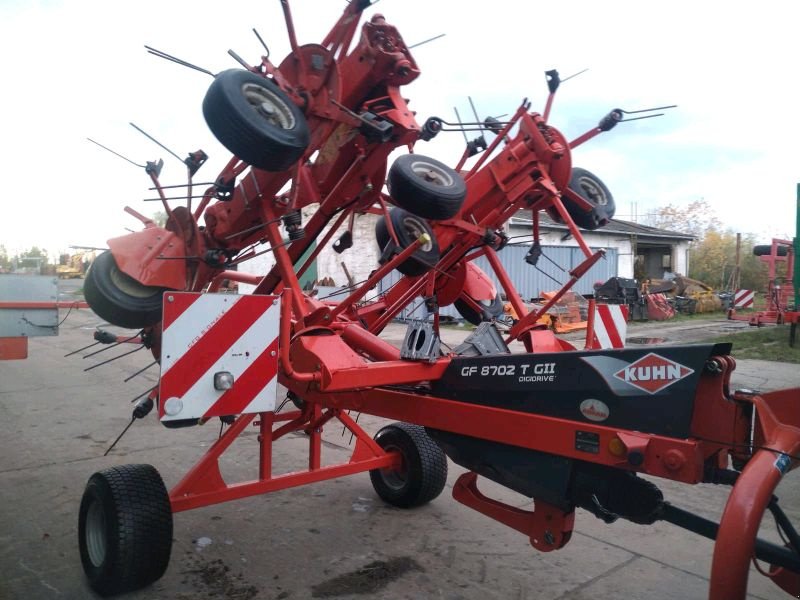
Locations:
(395, 479)
(592, 191)
(431, 173)
(129, 285)
(415, 229)
(269, 106)
(96, 533)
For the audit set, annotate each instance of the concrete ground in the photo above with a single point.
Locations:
(334, 539)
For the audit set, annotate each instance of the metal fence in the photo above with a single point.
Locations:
(549, 274)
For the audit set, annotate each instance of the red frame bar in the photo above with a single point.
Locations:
(526, 430)
(203, 485)
(42, 305)
(778, 423)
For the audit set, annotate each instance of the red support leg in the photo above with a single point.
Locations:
(548, 527)
(749, 498)
(315, 439)
(204, 485)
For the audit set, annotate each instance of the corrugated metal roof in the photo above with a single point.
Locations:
(616, 226)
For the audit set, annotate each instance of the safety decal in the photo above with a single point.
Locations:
(743, 299)
(594, 410)
(219, 355)
(610, 326)
(782, 463)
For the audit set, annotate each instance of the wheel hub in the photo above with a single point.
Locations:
(431, 174)
(593, 192)
(266, 109)
(130, 286)
(416, 229)
(395, 478)
(96, 534)
(268, 105)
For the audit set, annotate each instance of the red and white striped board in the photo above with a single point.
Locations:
(206, 334)
(743, 298)
(610, 326)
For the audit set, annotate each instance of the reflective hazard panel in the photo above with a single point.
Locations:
(610, 326)
(743, 299)
(219, 355)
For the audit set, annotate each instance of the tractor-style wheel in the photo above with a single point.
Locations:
(593, 190)
(426, 187)
(253, 118)
(491, 310)
(408, 228)
(766, 250)
(423, 472)
(118, 298)
(124, 529)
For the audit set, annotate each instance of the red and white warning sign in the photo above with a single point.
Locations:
(743, 298)
(219, 355)
(610, 326)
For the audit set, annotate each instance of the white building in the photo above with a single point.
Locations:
(632, 251)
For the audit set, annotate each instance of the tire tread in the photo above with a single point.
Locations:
(419, 262)
(432, 469)
(416, 196)
(141, 550)
(271, 152)
(112, 304)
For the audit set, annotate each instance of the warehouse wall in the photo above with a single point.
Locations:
(361, 259)
(620, 243)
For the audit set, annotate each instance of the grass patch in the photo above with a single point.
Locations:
(765, 343)
(679, 317)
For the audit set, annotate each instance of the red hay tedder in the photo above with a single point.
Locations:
(566, 427)
(779, 289)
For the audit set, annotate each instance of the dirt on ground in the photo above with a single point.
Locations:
(215, 579)
(369, 579)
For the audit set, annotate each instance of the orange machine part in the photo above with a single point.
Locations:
(13, 348)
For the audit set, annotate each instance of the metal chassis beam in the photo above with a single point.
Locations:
(203, 485)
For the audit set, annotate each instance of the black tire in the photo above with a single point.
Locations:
(254, 119)
(426, 187)
(591, 188)
(766, 250)
(408, 227)
(423, 473)
(124, 529)
(118, 298)
(491, 310)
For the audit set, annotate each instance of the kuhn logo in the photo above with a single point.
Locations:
(653, 373)
(594, 410)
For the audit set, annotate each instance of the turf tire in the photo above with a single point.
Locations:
(124, 529)
(424, 467)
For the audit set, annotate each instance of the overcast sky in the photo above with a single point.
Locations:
(76, 69)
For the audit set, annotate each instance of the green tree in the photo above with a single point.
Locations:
(712, 255)
(33, 258)
(695, 219)
(5, 261)
(712, 259)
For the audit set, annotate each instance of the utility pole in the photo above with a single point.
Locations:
(796, 278)
(737, 268)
